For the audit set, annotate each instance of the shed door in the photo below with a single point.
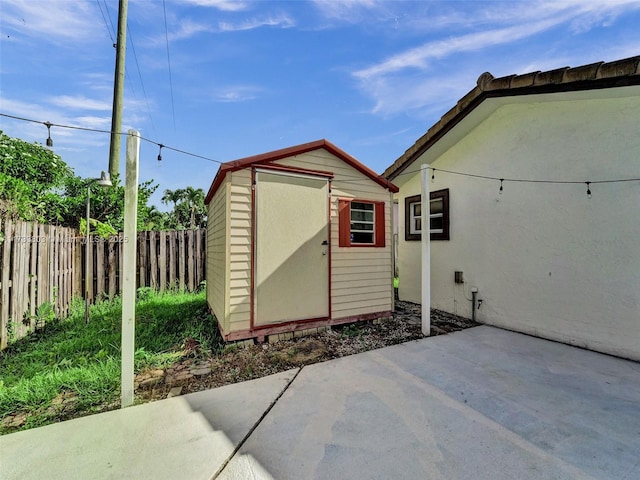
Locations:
(291, 248)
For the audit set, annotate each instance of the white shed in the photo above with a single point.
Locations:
(297, 239)
(546, 258)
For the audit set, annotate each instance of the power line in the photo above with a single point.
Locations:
(166, 35)
(105, 21)
(113, 28)
(127, 77)
(144, 92)
(135, 56)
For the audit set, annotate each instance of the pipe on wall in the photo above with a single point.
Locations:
(474, 295)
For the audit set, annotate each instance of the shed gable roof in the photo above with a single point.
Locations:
(269, 157)
(619, 73)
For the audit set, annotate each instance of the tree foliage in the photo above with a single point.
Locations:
(36, 184)
(189, 210)
(31, 177)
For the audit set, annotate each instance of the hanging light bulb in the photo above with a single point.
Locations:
(433, 175)
(49, 141)
(500, 191)
(588, 189)
(160, 152)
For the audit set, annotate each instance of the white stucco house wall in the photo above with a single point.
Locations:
(546, 259)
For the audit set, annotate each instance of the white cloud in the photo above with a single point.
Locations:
(100, 123)
(238, 93)
(282, 21)
(443, 15)
(346, 9)
(184, 29)
(80, 102)
(418, 57)
(413, 80)
(187, 29)
(224, 5)
(423, 96)
(47, 113)
(56, 20)
(32, 111)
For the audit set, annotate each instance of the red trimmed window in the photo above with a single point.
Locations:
(361, 223)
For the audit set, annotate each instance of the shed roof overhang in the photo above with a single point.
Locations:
(595, 76)
(269, 157)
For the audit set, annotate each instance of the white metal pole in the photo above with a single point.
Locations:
(129, 267)
(425, 211)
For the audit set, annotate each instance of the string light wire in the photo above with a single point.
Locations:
(97, 130)
(355, 179)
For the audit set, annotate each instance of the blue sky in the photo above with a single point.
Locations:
(249, 77)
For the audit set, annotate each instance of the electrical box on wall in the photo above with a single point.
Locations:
(458, 277)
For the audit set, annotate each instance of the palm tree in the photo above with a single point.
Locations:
(195, 198)
(173, 196)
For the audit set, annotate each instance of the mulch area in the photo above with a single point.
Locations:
(237, 364)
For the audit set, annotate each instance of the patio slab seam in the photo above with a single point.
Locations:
(255, 425)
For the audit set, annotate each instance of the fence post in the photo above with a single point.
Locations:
(4, 295)
(111, 269)
(190, 262)
(181, 259)
(173, 241)
(163, 261)
(153, 261)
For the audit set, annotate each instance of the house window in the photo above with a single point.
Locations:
(438, 216)
(415, 214)
(361, 223)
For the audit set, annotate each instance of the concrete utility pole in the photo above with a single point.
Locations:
(118, 90)
(129, 265)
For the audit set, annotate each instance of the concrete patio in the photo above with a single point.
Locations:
(482, 403)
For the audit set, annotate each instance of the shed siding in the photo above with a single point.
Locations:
(239, 284)
(361, 277)
(361, 281)
(216, 253)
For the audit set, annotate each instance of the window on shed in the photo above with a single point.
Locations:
(438, 216)
(361, 223)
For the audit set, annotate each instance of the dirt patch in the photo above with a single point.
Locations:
(238, 364)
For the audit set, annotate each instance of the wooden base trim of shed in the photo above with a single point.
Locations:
(299, 325)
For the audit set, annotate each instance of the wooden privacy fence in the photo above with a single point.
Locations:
(173, 259)
(38, 267)
(43, 269)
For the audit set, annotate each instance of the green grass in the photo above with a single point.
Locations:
(69, 356)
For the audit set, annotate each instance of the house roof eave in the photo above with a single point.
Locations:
(593, 76)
